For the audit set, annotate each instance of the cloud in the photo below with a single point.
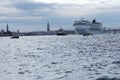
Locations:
(77, 8)
(36, 11)
(9, 11)
(22, 18)
(60, 8)
(31, 5)
(55, 1)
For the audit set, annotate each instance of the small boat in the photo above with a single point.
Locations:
(16, 37)
(61, 33)
(87, 34)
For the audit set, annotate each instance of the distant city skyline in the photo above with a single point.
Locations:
(33, 15)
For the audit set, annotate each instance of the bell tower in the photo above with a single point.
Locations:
(7, 28)
(48, 27)
(94, 21)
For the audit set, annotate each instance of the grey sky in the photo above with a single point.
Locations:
(33, 15)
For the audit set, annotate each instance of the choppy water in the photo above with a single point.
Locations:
(71, 57)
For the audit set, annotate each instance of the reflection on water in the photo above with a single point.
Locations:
(72, 57)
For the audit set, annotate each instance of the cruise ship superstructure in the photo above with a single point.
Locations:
(86, 27)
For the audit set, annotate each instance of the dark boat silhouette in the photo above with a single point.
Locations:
(87, 34)
(16, 37)
(61, 32)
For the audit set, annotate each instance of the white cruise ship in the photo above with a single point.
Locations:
(85, 27)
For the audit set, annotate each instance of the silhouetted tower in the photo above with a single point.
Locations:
(48, 27)
(18, 31)
(94, 21)
(7, 28)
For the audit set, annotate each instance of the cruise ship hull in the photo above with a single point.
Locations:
(90, 32)
(80, 31)
(85, 27)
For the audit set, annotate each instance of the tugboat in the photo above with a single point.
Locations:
(61, 32)
(14, 37)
